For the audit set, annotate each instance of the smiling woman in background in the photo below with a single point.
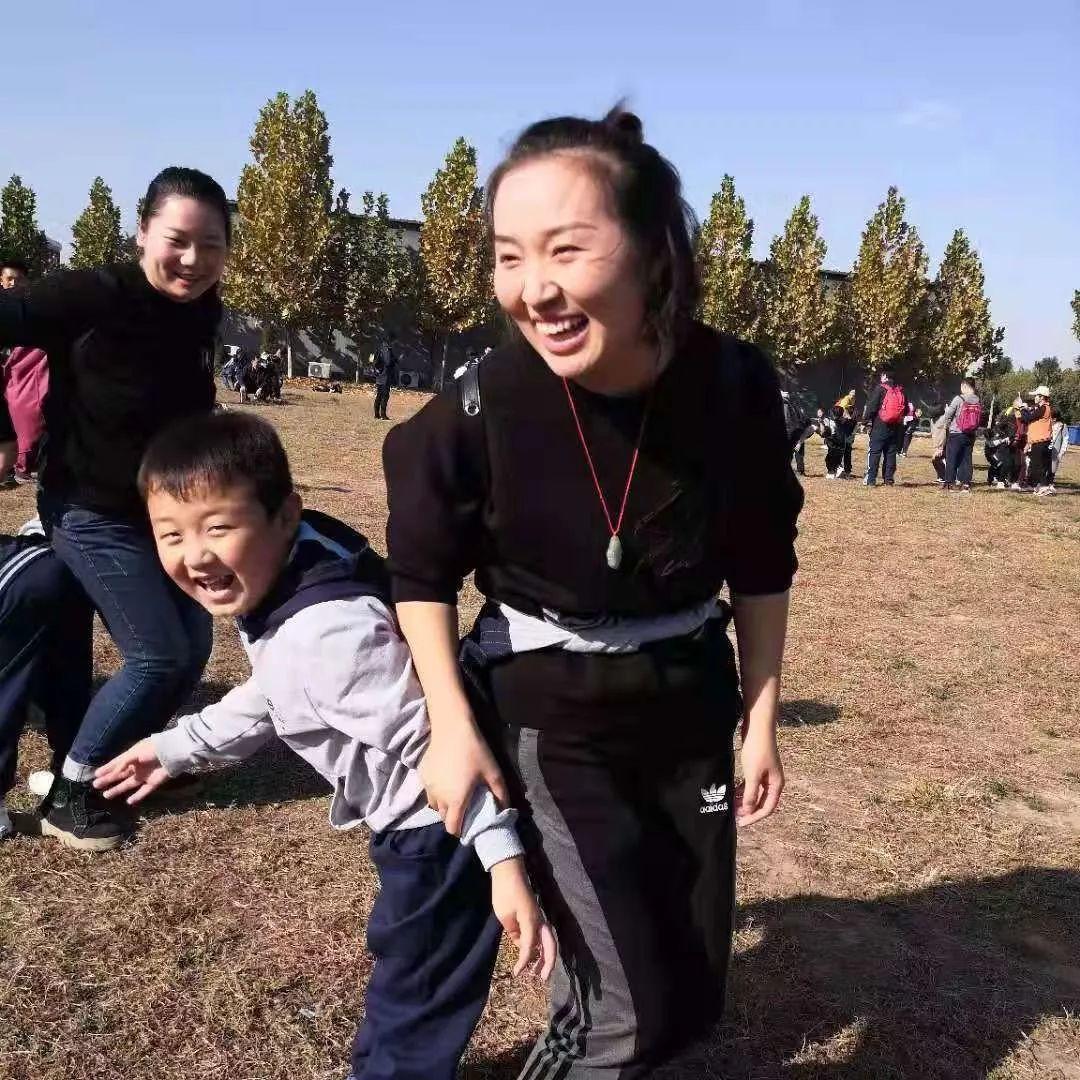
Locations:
(597, 479)
(130, 351)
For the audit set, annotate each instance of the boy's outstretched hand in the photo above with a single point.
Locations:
(137, 770)
(516, 908)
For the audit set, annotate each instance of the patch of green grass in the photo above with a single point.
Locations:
(1000, 789)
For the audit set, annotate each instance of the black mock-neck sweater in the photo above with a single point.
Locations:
(509, 493)
(124, 362)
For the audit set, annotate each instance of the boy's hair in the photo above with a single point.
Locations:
(10, 262)
(211, 453)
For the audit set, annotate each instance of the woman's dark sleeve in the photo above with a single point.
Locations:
(53, 312)
(766, 496)
(435, 494)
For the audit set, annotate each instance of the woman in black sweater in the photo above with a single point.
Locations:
(595, 478)
(130, 350)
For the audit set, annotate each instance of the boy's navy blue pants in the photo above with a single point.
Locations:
(435, 939)
(44, 655)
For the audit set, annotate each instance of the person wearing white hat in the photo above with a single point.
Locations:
(1039, 430)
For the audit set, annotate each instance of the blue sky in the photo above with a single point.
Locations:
(971, 108)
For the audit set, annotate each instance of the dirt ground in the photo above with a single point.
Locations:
(913, 911)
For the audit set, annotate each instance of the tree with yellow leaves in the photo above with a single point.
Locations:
(455, 254)
(729, 283)
(283, 226)
(888, 288)
(96, 236)
(960, 333)
(796, 316)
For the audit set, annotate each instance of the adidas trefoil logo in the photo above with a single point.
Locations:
(714, 799)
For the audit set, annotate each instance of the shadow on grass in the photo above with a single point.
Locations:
(272, 776)
(275, 774)
(505, 1066)
(324, 487)
(940, 983)
(807, 713)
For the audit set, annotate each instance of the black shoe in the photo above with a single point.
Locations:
(80, 817)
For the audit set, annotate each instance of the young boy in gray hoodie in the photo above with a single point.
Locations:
(332, 678)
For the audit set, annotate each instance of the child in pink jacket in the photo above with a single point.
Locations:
(26, 382)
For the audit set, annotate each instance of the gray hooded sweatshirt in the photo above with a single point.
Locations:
(952, 412)
(332, 677)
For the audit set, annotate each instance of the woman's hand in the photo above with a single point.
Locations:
(456, 762)
(763, 775)
(760, 628)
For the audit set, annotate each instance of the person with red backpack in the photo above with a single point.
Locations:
(964, 415)
(885, 410)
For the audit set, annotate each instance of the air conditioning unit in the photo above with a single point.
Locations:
(318, 371)
(409, 379)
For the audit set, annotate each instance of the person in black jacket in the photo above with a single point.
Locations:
(886, 428)
(799, 429)
(386, 369)
(836, 438)
(998, 450)
(593, 474)
(130, 349)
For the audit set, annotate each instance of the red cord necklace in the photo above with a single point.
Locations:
(614, 548)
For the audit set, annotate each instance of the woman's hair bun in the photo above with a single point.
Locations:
(625, 124)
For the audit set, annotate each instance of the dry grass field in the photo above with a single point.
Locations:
(913, 912)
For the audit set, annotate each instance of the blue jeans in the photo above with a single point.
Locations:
(958, 466)
(884, 444)
(435, 940)
(44, 658)
(163, 636)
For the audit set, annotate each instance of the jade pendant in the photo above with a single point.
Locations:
(614, 552)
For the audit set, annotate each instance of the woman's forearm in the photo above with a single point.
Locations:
(760, 630)
(431, 631)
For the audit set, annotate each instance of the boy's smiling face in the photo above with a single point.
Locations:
(221, 547)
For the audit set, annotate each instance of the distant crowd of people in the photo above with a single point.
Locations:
(256, 379)
(1024, 443)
